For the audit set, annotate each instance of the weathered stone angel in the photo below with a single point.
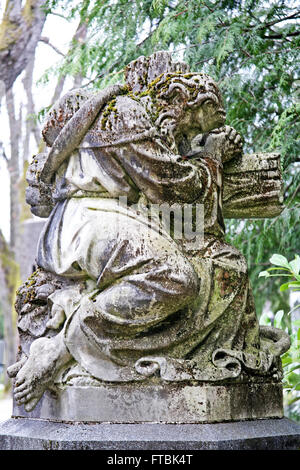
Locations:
(114, 299)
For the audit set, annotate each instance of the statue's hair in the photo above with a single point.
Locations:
(193, 86)
(158, 71)
(61, 112)
(142, 71)
(193, 89)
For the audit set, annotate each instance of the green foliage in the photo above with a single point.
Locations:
(291, 359)
(290, 270)
(285, 132)
(42, 113)
(251, 48)
(257, 239)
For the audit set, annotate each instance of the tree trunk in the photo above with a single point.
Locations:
(20, 31)
(79, 37)
(9, 275)
(31, 125)
(14, 169)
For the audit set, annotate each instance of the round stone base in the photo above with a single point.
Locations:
(265, 434)
(157, 403)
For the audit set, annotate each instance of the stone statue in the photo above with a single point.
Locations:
(117, 298)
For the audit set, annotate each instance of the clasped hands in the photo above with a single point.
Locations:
(224, 141)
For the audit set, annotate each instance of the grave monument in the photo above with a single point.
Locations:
(139, 311)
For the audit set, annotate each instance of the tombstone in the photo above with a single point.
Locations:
(26, 252)
(140, 314)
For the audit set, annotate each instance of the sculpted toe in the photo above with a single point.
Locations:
(21, 388)
(21, 394)
(13, 370)
(19, 381)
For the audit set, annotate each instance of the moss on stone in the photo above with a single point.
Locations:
(109, 108)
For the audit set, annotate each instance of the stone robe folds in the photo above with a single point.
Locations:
(150, 306)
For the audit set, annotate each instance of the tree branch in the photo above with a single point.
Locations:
(58, 14)
(117, 62)
(80, 37)
(47, 41)
(31, 127)
(282, 35)
(285, 18)
(13, 168)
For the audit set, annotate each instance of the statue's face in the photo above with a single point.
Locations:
(200, 117)
(196, 100)
(204, 108)
(206, 116)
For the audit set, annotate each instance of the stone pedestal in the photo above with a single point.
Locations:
(160, 403)
(265, 434)
(153, 416)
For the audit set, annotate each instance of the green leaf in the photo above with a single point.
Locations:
(293, 379)
(294, 368)
(158, 6)
(294, 400)
(294, 283)
(278, 318)
(289, 285)
(295, 265)
(279, 260)
(294, 308)
(284, 287)
(296, 387)
(264, 274)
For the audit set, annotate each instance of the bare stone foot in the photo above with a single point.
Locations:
(46, 357)
(14, 368)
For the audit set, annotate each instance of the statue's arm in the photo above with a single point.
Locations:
(159, 173)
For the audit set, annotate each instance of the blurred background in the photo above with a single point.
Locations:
(251, 48)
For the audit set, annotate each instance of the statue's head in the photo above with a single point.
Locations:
(190, 103)
(181, 102)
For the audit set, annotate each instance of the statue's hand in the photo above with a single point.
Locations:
(224, 141)
(233, 144)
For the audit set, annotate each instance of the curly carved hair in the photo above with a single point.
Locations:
(170, 94)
